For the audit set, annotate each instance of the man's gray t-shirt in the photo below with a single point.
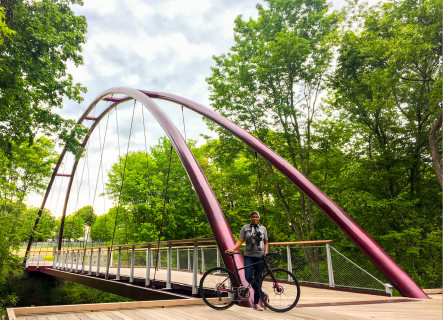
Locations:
(254, 248)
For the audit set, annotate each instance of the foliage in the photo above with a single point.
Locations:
(46, 225)
(23, 289)
(73, 228)
(270, 84)
(26, 169)
(12, 226)
(4, 30)
(142, 197)
(48, 258)
(87, 215)
(33, 58)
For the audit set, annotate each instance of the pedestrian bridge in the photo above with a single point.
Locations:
(129, 270)
(336, 289)
(181, 264)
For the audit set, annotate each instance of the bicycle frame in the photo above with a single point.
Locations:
(258, 275)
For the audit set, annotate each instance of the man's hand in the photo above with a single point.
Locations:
(229, 251)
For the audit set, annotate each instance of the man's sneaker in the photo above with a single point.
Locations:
(257, 307)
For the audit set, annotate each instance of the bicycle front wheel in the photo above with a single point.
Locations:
(281, 295)
(217, 288)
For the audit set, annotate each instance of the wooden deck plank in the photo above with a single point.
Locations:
(122, 315)
(61, 316)
(71, 316)
(162, 312)
(111, 315)
(131, 314)
(82, 316)
(150, 314)
(102, 316)
(187, 314)
(92, 315)
(51, 317)
(41, 317)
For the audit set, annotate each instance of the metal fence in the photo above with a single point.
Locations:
(318, 264)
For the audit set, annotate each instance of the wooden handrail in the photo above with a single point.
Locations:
(185, 247)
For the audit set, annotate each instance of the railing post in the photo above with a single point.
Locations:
(178, 260)
(218, 257)
(84, 256)
(195, 270)
(159, 261)
(289, 258)
(330, 269)
(169, 271)
(66, 253)
(203, 260)
(98, 262)
(28, 255)
(388, 288)
(76, 261)
(148, 266)
(189, 260)
(54, 254)
(91, 260)
(119, 262)
(131, 272)
(72, 262)
(108, 262)
(152, 258)
(38, 260)
(112, 259)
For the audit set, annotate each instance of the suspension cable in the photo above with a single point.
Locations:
(261, 191)
(122, 176)
(147, 166)
(163, 216)
(190, 184)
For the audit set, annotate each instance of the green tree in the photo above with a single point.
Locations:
(33, 81)
(87, 215)
(273, 78)
(387, 84)
(26, 169)
(73, 228)
(46, 227)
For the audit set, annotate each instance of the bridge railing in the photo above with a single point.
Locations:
(183, 262)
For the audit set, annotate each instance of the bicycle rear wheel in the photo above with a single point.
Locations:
(282, 295)
(214, 286)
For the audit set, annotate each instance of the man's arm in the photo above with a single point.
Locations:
(237, 245)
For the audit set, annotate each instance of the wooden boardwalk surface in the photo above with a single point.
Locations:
(414, 310)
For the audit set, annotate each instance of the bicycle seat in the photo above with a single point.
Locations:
(232, 253)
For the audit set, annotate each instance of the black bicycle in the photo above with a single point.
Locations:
(279, 288)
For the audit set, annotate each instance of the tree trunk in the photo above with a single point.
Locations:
(433, 143)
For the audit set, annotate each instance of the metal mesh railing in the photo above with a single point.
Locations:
(347, 274)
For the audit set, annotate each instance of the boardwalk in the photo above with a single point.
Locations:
(416, 310)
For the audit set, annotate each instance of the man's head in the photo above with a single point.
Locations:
(255, 217)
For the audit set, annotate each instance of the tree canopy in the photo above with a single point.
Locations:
(39, 38)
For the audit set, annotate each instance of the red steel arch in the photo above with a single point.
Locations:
(401, 281)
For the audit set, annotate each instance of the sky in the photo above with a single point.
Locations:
(164, 46)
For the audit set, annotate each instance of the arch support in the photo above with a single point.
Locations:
(397, 276)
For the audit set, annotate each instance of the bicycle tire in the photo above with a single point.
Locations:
(279, 301)
(211, 280)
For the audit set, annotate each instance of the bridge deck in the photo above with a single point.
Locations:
(415, 310)
(309, 295)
